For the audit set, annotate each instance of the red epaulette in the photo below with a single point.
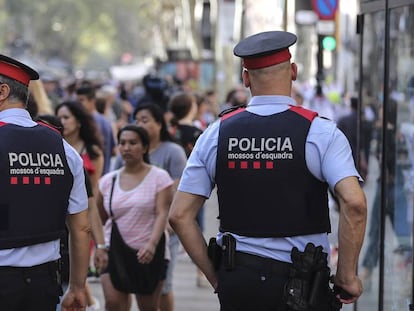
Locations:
(306, 113)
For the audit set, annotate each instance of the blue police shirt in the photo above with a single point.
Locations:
(328, 157)
(40, 253)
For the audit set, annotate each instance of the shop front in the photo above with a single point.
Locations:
(386, 89)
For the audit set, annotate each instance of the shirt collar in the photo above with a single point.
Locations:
(17, 116)
(266, 105)
(272, 99)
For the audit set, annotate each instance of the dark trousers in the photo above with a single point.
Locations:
(255, 283)
(32, 288)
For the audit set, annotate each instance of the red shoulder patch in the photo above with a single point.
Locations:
(306, 113)
(2, 123)
(232, 113)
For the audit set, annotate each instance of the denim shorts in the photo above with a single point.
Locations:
(173, 245)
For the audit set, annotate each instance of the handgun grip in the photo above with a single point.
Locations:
(229, 251)
(342, 293)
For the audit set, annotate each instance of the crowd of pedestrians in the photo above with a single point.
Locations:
(143, 141)
(134, 143)
(92, 116)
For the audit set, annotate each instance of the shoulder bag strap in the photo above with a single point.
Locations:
(110, 197)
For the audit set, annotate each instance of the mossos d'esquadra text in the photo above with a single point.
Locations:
(270, 148)
(35, 163)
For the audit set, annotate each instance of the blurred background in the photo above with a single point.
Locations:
(189, 39)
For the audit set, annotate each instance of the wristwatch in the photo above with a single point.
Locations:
(102, 246)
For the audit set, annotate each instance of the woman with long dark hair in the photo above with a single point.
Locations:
(81, 132)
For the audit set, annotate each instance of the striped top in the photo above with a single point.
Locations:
(134, 210)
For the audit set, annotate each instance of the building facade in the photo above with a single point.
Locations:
(386, 91)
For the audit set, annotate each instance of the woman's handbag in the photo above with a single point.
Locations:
(126, 273)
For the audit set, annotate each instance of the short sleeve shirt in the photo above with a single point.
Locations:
(134, 209)
(78, 202)
(328, 157)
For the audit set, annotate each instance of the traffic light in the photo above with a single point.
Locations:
(329, 43)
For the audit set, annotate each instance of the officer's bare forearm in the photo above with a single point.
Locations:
(352, 223)
(196, 247)
(351, 235)
(79, 231)
(182, 218)
(95, 222)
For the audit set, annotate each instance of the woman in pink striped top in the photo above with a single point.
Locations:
(141, 197)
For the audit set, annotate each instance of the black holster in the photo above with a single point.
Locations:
(228, 251)
(224, 254)
(214, 253)
(307, 288)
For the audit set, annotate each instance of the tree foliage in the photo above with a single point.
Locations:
(92, 32)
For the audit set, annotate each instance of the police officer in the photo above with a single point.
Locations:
(272, 163)
(43, 186)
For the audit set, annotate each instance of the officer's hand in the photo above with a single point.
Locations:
(74, 300)
(351, 289)
(100, 259)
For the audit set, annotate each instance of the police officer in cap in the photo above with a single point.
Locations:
(272, 163)
(43, 187)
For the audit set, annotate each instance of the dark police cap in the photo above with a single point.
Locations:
(265, 49)
(16, 70)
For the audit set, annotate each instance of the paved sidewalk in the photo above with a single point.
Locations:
(188, 297)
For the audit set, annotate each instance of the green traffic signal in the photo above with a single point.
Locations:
(329, 43)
